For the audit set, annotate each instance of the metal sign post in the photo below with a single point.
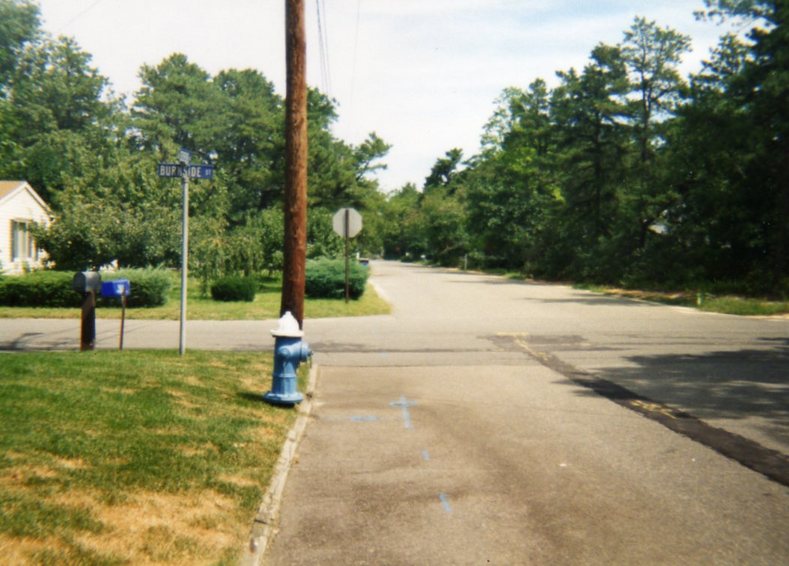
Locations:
(184, 257)
(347, 222)
(185, 171)
(347, 260)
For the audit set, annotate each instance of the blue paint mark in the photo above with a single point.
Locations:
(425, 455)
(364, 419)
(445, 502)
(404, 404)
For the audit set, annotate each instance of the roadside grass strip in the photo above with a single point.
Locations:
(201, 307)
(134, 458)
(723, 304)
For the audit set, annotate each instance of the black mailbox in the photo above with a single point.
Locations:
(86, 281)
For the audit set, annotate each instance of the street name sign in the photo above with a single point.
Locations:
(194, 171)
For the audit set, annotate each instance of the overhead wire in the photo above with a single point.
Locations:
(323, 45)
(355, 49)
(79, 15)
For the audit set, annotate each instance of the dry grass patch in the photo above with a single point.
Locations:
(155, 528)
(19, 550)
(170, 471)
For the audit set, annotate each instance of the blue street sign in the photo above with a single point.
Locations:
(194, 171)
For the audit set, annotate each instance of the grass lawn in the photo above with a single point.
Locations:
(135, 457)
(726, 304)
(199, 307)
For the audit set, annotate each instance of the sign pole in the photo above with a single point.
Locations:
(184, 256)
(346, 225)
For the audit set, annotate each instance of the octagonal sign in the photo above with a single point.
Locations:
(347, 222)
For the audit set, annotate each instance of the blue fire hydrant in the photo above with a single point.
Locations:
(289, 351)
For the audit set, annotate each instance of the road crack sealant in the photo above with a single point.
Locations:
(746, 452)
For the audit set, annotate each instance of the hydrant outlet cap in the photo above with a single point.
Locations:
(288, 327)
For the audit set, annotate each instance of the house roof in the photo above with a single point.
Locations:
(7, 187)
(10, 188)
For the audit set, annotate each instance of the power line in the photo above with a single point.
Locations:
(323, 45)
(79, 15)
(355, 49)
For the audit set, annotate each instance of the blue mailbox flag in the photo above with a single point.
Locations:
(116, 288)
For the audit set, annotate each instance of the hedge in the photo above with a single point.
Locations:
(39, 289)
(149, 288)
(234, 288)
(326, 279)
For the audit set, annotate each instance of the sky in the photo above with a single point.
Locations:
(422, 74)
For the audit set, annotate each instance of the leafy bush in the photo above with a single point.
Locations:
(149, 287)
(234, 288)
(39, 289)
(326, 279)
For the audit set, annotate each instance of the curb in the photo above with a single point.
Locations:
(264, 525)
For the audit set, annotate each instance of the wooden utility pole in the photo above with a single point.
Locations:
(293, 274)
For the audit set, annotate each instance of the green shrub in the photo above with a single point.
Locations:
(326, 279)
(149, 287)
(234, 288)
(39, 289)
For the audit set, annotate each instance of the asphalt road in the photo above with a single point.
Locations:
(489, 421)
(492, 421)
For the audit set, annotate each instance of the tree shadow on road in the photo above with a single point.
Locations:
(717, 385)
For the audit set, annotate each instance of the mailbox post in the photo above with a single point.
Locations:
(87, 283)
(119, 288)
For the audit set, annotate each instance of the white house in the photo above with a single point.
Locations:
(20, 207)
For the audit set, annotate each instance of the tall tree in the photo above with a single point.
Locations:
(444, 169)
(652, 55)
(249, 139)
(739, 107)
(512, 192)
(175, 107)
(588, 112)
(59, 120)
(19, 26)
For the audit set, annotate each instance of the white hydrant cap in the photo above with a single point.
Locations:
(288, 327)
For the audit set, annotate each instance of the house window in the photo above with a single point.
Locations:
(23, 247)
